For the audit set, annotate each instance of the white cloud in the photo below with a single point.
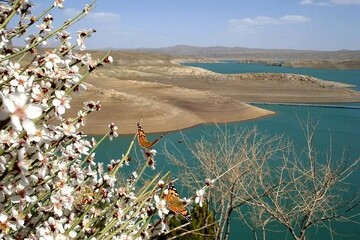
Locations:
(288, 19)
(71, 12)
(307, 2)
(97, 16)
(312, 2)
(330, 2)
(251, 24)
(104, 16)
(346, 2)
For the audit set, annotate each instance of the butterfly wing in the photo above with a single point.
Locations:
(142, 139)
(175, 204)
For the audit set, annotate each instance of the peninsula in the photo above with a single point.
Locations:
(169, 96)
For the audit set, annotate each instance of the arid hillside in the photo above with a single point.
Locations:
(288, 57)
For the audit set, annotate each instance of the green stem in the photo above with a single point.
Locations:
(144, 194)
(85, 75)
(12, 13)
(114, 171)
(66, 25)
(94, 148)
(142, 200)
(79, 219)
(31, 23)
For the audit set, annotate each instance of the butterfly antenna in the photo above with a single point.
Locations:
(171, 183)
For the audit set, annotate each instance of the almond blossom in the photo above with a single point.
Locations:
(59, 3)
(200, 197)
(52, 61)
(112, 133)
(209, 182)
(20, 112)
(160, 229)
(82, 34)
(61, 102)
(52, 187)
(161, 206)
(21, 82)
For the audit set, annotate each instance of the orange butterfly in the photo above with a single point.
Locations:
(175, 204)
(142, 139)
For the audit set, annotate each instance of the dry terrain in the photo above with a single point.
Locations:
(343, 59)
(169, 96)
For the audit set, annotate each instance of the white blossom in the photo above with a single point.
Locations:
(59, 3)
(209, 182)
(21, 82)
(160, 229)
(200, 197)
(52, 61)
(61, 102)
(20, 112)
(161, 206)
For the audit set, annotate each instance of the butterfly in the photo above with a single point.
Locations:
(175, 204)
(142, 139)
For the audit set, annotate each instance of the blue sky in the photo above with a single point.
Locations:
(280, 24)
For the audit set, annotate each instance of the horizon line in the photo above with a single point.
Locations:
(221, 46)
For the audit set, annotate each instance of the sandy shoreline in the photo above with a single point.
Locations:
(168, 96)
(160, 117)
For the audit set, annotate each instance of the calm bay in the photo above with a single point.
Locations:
(338, 127)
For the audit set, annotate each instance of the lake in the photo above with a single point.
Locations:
(339, 125)
(350, 76)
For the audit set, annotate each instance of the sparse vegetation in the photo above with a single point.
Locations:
(272, 185)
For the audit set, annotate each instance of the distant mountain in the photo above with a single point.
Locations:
(241, 53)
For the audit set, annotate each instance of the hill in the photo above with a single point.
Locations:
(287, 57)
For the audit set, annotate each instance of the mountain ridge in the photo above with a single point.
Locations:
(243, 53)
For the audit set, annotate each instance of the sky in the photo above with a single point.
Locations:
(269, 24)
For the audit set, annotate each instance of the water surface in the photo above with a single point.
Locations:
(349, 76)
(337, 127)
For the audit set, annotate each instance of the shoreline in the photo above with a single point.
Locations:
(312, 64)
(129, 133)
(171, 123)
(168, 96)
(123, 131)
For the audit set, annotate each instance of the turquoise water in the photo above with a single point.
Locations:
(350, 76)
(339, 125)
